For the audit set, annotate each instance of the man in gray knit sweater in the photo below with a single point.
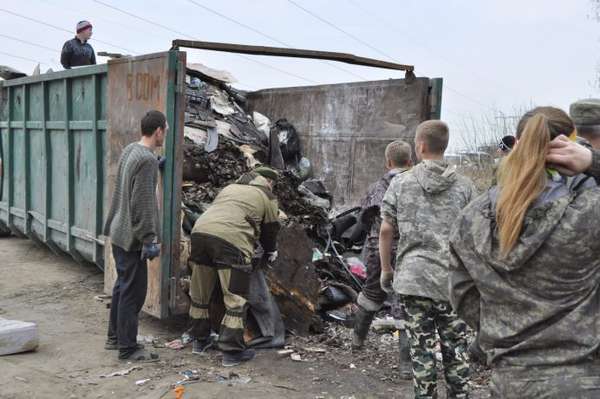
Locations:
(134, 230)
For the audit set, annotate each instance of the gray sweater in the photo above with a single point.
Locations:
(133, 216)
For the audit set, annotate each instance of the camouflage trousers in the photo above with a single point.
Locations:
(232, 285)
(556, 382)
(425, 317)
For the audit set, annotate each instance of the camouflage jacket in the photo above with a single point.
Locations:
(422, 204)
(243, 214)
(371, 204)
(595, 167)
(539, 305)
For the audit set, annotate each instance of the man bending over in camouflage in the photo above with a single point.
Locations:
(421, 205)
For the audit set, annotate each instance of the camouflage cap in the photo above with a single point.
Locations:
(585, 112)
(267, 172)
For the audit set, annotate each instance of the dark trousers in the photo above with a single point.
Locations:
(129, 294)
(372, 287)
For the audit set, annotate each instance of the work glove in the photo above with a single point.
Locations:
(272, 256)
(161, 162)
(150, 251)
(386, 280)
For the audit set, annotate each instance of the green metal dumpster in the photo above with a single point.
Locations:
(61, 135)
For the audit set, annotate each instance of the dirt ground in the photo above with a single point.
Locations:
(58, 294)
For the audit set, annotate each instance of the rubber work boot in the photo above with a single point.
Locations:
(200, 346)
(405, 360)
(476, 354)
(231, 359)
(362, 323)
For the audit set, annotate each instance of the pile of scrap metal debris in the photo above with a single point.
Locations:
(222, 141)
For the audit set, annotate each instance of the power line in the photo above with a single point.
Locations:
(265, 35)
(142, 18)
(29, 43)
(24, 58)
(334, 26)
(194, 38)
(59, 28)
(331, 24)
(78, 12)
(423, 44)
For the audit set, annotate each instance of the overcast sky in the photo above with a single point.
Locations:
(494, 56)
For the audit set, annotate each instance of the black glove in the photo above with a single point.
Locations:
(150, 251)
(161, 163)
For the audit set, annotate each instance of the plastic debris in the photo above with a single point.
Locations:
(146, 339)
(233, 379)
(357, 267)
(387, 324)
(314, 350)
(176, 344)
(179, 391)
(142, 382)
(121, 372)
(285, 352)
(317, 255)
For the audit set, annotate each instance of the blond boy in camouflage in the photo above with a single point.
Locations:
(421, 205)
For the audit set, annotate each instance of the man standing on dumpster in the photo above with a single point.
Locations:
(77, 51)
(134, 229)
(371, 299)
(223, 242)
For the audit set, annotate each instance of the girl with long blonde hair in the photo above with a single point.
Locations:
(525, 270)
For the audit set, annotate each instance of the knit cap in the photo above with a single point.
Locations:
(83, 25)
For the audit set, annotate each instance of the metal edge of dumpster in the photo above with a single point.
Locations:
(175, 107)
(4, 230)
(436, 86)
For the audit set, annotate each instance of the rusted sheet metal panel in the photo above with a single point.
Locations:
(137, 85)
(344, 128)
